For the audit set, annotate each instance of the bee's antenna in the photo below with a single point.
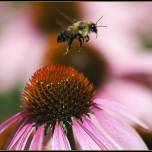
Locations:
(101, 26)
(99, 19)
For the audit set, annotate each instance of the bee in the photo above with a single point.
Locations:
(80, 31)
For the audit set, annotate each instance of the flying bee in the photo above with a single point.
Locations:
(80, 31)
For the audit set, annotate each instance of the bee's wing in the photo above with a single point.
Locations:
(61, 24)
(65, 16)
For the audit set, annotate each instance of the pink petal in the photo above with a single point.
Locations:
(59, 140)
(18, 134)
(10, 121)
(37, 141)
(135, 97)
(120, 131)
(85, 138)
(22, 141)
(97, 135)
(119, 109)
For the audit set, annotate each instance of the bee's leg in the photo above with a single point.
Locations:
(87, 38)
(70, 43)
(81, 42)
(82, 38)
(69, 46)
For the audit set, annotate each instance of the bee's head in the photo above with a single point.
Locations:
(93, 27)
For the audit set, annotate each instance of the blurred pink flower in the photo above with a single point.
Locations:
(121, 39)
(120, 42)
(20, 44)
(94, 128)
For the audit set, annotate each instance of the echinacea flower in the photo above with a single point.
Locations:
(59, 112)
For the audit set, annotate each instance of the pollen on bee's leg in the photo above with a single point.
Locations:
(79, 50)
(67, 51)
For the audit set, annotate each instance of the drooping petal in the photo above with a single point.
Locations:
(22, 141)
(119, 109)
(10, 121)
(59, 139)
(17, 134)
(120, 131)
(134, 96)
(37, 141)
(24, 127)
(98, 135)
(86, 139)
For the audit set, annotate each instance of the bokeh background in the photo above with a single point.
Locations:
(118, 62)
